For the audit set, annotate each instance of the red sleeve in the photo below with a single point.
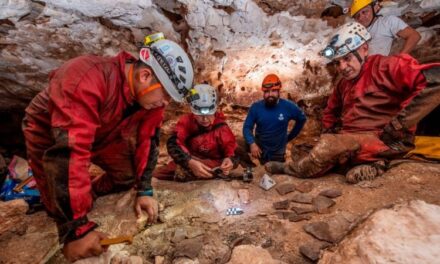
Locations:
(332, 112)
(74, 119)
(183, 131)
(228, 142)
(147, 146)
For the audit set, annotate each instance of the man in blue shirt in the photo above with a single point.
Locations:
(271, 117)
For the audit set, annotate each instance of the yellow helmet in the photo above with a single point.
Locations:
(357, 5)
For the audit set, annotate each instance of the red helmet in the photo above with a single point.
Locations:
(271, 82)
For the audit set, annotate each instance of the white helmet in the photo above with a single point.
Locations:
(206, 104)
(346, 39)
(170, 64)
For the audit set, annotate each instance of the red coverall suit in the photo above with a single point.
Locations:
(210, 145)
(88, 114)
(359, 109)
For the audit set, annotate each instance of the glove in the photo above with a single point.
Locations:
(399, 140)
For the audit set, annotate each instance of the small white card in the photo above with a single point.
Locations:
(267, 182)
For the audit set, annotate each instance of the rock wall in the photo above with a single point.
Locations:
(408, 233)
(233, 43)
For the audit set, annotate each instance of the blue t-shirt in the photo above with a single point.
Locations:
(271, 126)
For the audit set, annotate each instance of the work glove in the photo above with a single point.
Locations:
(399, 140)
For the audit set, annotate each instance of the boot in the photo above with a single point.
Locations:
(274, 167)
(365, 172)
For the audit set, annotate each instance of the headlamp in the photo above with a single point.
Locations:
(204, 111)
(329, 52)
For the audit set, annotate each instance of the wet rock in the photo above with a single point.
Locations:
(298, 218)
(331, 193)
(322, 204)
(303, 210)
(281, 205)
(305, 187)
(285, 188)
(312, 250)
(189, 248)
(333, 230)
(246, 254)
(406, 233)
(302, 198)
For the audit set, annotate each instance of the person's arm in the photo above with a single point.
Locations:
(74, 120)
(176, 144)
(248, 125)
(228, 144)
(300, 119)
(411, 37)
(332, 112)
(147, 151)
(248, 130)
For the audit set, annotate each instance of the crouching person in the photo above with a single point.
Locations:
(371, 116)
(105, 110)
(201, 142)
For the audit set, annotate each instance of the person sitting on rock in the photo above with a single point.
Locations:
(202, 140)
(105, 110)
(372, 113)
(383, 29)
(270, 117)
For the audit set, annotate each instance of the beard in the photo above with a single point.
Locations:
(271, 101)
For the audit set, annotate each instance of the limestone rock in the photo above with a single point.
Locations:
(302, 198)
(322, 204)
(312, 250)
(298, 218)
(332, 230)
(281, 205)
(246, 254)
(189, 248)
(285, 188)
(303, 210)
(331, 193)
(406, 233)
(305, 187)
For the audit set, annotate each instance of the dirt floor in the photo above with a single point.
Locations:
(198, 210)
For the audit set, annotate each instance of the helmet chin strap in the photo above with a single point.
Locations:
(356, 54)
(374, 14)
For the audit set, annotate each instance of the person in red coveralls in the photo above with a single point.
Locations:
(372, 113)
(201, 141)
(105, 110)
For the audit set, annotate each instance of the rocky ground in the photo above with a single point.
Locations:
(287, 224)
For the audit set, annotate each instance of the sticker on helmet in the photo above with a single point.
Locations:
(171, 61)
(165, 49)
(144, 54)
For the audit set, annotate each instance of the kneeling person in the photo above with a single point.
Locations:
(201, 141)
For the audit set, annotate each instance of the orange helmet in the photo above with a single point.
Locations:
(271, 82)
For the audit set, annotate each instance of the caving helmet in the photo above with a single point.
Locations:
(207, 102)
(347, 38)
(170, 64)
(271, 82)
